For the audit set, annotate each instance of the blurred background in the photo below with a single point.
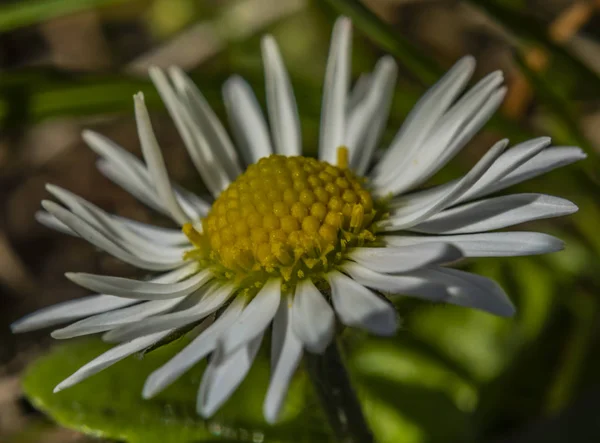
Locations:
(452, 375)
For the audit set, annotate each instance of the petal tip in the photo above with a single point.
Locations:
(571, 208)
(270, 415)
(154, 68)
(18, 326)
(268, 40)
(316, 348)
(60, 387)
(559, 245)
(149, 389)
(58, 334)
(88, 135)
(175, 71)
(206, 410)
(50, 206)
(508, 311)
(343, 21)
(467, 63)
(51, 188)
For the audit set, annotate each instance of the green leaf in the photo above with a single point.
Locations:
(28, 12)
(408, 397)
(535, 284)
(407, 393)
(475, 339)
(110, 405)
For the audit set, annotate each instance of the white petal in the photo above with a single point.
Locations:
(193, 205)
(223, 375)
(246, 120)
(361, 114)
(452, 132)
(359, 307)
(469, 114)
(121, 177)
(68, 311)
(51, 222)
(114, 229)
(206, 159)
(136, 173)
(494, 244)
(212, 300)
(155, 162)
(496, 213)
(283, 111)
(109, 358)
(405, 284)
(438, 284)
(119, 317)
(313, 318)
(142, 290)
(470, 290)
(403, 218)
(359, 91)
(113, 319)
(92, 235)
(470, 129)
(405, 258)
(509, 160)
(286, 352)
(545, 161)
(176, 274)
(367, 120)
(255, 319)
(335, 91)
(199, 348)
(158, 234)
(423, 118)
(127, 171)
(207, 121)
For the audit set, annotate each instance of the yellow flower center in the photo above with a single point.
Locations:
(288, 216)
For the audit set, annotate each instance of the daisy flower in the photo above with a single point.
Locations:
(291, 243)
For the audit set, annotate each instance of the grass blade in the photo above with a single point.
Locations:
(29, 12)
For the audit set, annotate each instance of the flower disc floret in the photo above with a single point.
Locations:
(287, 216)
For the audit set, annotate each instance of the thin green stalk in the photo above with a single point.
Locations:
(338, 399)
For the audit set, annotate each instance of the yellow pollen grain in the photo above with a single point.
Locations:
(299, 210)
(319, 211)
(310, 225)
(289, 216)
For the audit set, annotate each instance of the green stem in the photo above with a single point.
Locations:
(338, 399)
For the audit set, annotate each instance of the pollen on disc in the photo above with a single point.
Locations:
(283, 211)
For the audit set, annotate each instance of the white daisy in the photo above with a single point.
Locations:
(295, 242)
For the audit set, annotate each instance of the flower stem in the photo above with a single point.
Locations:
(338, 399)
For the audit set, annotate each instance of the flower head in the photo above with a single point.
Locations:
(289, 218)
(297, 243)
